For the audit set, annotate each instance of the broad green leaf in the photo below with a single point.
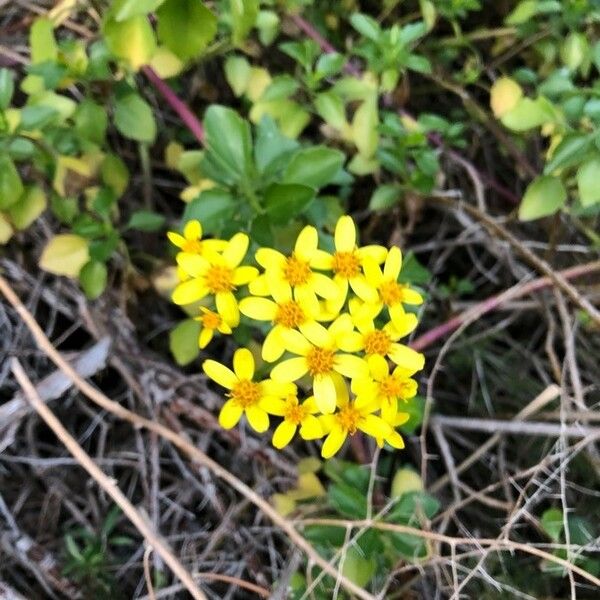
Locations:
(134, 118)
(284, 201)
(341, 471)
(63, 107)
(91, 121)
(37, 117)
(7, 87)
(528, 113)
(588, 177)
(357, 567)
(131, 40)
(504, 96)
(267, 24)
(385, 196)
(412, 507)
(11, 186)
(366, 26)
(280, 87)
(29, 207)
(41, 41)
(115, 174)
(412, 32)
(124, 9)
(325, 535)
(6, 231)
(93, 277)
(146, 220)
(228, 140)
(314, 167)
(552, 523)
(575, 50)
(409, 546)
(332, 110)
(65, 254)
(364, 127)
(185, 27)
(405, 480)
(272, 150)
(237, 73)
(166, 63)
(329, 64)
(529, 8)
(569, 152)
(211, 208)
(347, 500)
(544, 196)
(183, 341)
(243, 18)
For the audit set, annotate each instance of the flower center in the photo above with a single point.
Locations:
(289, 314)
(346, 264)
(296, 271)
(219, 279)
(294, 413)
(392, 387)
(391, 292)
(192, 246)
(246, 393)
(320, 361)
(377, 342)
(211, 320)
(348, 419)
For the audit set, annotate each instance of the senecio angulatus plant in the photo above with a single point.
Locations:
(336, 321)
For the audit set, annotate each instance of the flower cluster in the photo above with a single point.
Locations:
(336, 321)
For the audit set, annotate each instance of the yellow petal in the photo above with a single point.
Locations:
(316, 334)
(193, 264)
(283, 434)
(333, 442)
(351, 341)
(258, 418)
(342, 397)
(393, 264)
(272, 405)
(279, 389)
(324, 286)
(273, 346)
(269, 258)
(378, 366)
(325, 393)
(295, 342)
(351, 366)
(407, 358)
(189, 291)
(410, 296)
(192, 230)
(305, 296)
(219, 373)
(345, 234)
(290, 369)
(403, 325)
(311, 428)
(230, 414)
(321, 260)
(259, 286)
(363, 290)
(176, 239)
(206, 335)
(243, 364)
(395, 440)
(307, 242)
(228, 309)
(260, 309)
(244, 275)
(377, 253)
(236, 249)
(372, 272)
(375, 426)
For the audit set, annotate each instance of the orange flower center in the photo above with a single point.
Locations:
(219, 278)
(296, 271)
(391, 292)
(348, 419)
(392, 387)
(289, 314)
(377, 342)
(246, 393)
(346, 264)
(320, 361)
(211, 320)
(192, 246)
(294, 412)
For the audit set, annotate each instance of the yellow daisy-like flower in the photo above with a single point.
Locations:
(296, 415)
(391, 293)
(387, 388)
(254, 399)
(346, 263)
(210, 322)
(191, 241)
(294, 272)
(353, 416)
(218, 275)
(318, 355)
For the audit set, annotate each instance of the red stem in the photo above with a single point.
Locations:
(180, 107)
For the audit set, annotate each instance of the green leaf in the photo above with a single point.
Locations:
(544, 196)
(272, 150)
(569, 152)
(385, 196)
(364, 127)
(29, 207)
(331, 109)
(11, 186)
(282, 86)
(41, 41)
(412, 507)
(588, 175)
(237, 73)
(183, 341)
(357, 567)
(325, 535)
(347, 500)
(315, 166)
(91, 121)
(115, 174)
(134, 118)
(7, 87)
(356, 476)
(36, 117)
(65, 254)
(284, 201)
(409, 546)
(366, 26)
(329, 64)
(267, 24)
(131, 40)
(243, 17)
(146, 220)
(186, 27)
(93, 277)
(552, 523)
(124, 9)
(228, 140)
(528, 114)
(211, 208)
(405, 480)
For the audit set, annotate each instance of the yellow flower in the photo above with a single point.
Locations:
(353, 416)
(209, 323)
(294, 272)
(318, 355)
(387, 388)
(191, 241)
(246, 397)
(391, 293)
(296, 414)
(218, 275)
(346, 263)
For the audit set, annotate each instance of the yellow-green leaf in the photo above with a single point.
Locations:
(29, 207)
(364, 127)
(166, 63)
(544, 196)
(405, 480)
(504, 95)
(41, 41)
(65, 254)
(131, 40)
(587, 182)
(6, 230)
